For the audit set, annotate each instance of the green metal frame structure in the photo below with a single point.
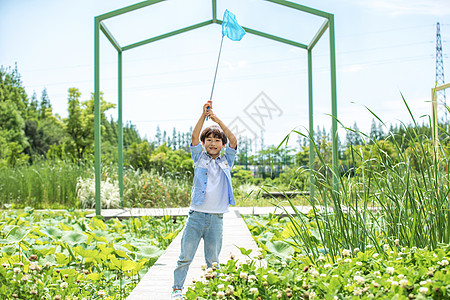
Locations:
(100, 26)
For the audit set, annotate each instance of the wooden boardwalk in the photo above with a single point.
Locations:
(157, 283)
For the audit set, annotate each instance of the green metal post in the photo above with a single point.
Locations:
(120, 129)
(214, 11)
(334, 102)
(311, 126)
(97, 131)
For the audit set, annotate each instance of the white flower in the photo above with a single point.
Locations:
(16, 270)
(400, 276)
(283, 264)
(423, 290)
(228, 278)
(251, 278)
(220, 294)
(346, 252)
(356, 250)
(386, 247)
(321, 258)
(209, 270)
(243, 275)
(314, 273)
(397, 242)
(323, 275)
(214, 264)
(358, 263)
(101, 293)
(404, 283)
(33, 266)
(347, 260)
(312, 295)
(221, 286)
(279, 295)
(253, 290)
(230, 289)
(390, 270)
(327, 266)
(394, 283)
(359, 279)
(64, 285)
(204, 267)
(443, 262)
(357, 291)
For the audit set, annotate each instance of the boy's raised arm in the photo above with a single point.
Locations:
(199, 125)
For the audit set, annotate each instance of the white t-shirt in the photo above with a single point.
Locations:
(216, 195)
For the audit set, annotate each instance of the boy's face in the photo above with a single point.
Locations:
(213, 145)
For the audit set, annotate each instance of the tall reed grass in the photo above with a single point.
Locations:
(394, 198)
(45, 184)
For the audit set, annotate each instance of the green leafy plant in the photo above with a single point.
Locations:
(66, 255)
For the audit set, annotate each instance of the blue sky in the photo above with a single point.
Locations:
(384, 48)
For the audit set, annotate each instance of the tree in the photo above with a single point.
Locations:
(174, 141)
(81, 138)
(45, 107)
(376, 133)
(302, 157)
(80, 122)
(138, 156)
(12, 124)
(353, 136)
(32, 111)
(158, 136)
(11, 89)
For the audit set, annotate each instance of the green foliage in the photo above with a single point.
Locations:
(138, 156)
(395, 273)
(80, 123)
(11, 89)
(44, 184)
(163, 160)
(293, 179)
(149, 189)
(240, 176)
(65, 255)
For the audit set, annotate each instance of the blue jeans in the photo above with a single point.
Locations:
(199, 225)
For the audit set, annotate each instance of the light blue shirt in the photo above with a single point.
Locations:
(201, 164)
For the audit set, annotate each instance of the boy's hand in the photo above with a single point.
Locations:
(207, 107)
(212, 116)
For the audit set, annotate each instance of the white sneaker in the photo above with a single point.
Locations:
(177, 294)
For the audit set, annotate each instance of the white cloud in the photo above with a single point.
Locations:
(409, 7)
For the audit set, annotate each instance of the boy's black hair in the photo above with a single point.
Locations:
(216, 132)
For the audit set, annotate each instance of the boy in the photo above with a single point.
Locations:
(211, 194)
